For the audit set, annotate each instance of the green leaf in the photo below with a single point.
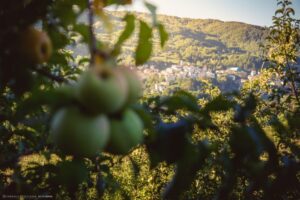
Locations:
(144, 48)
(290, 10)
(116, 2)
(66, 16)
(170, 142)
(279, 11)
(152, 10)
(218, 104)
(244, 112)
(83, 30)
(63, 95)
(164, 36)
(180, 100)
(145, 117)
(186, 170)
(135, 167)
(129, 28)
(279, 3)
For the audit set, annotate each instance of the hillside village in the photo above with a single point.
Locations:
(227, 80)
(226, 54)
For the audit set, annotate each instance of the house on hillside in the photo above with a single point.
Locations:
(210, 74)
(234, 69)
(253, 73)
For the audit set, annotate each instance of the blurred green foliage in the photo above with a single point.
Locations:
(233, 146)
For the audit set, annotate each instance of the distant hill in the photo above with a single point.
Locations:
(199, 42)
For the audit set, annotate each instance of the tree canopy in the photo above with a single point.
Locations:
(77, 127)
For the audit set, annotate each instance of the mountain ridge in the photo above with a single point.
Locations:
(188, 18)
(209, 43)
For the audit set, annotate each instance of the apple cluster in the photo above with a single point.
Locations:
(102, 119)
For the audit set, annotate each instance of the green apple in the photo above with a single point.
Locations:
(36, 45)
(66, 90)
(135, 86)
(65, 94)
(72, 173)
(102, 92)
(79, 134)
(125, 133)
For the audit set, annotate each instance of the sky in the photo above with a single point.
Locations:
(257, 12)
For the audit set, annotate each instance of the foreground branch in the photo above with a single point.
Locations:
(93, 41)
(47, 74)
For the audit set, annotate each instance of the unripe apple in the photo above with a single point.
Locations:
(35, 45)
(66, 94)
(135, 86)
(79, 134)
(126, 132)
(72, 173)
(102, 92)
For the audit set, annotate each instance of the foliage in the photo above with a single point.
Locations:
(234, 146)
(282, 47)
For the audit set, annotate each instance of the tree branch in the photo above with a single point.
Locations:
(93, 41)
(49, 75)
(292, 81)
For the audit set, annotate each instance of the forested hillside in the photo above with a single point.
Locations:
(199, 42)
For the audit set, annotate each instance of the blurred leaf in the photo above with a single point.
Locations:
(186, 170)
(66, 17)
(180, 100)
(55, 98)
(129, 28)
(244, 142)
(83, 30)
(144, 48)
(72, 173)
(170, 141)
(152, 10)
(117, 2)
(279, 11)
(146, 118)
(218, 104)
(242, 113)
(100, 185)
(135, 167)
(290, 11)
(163, 35)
